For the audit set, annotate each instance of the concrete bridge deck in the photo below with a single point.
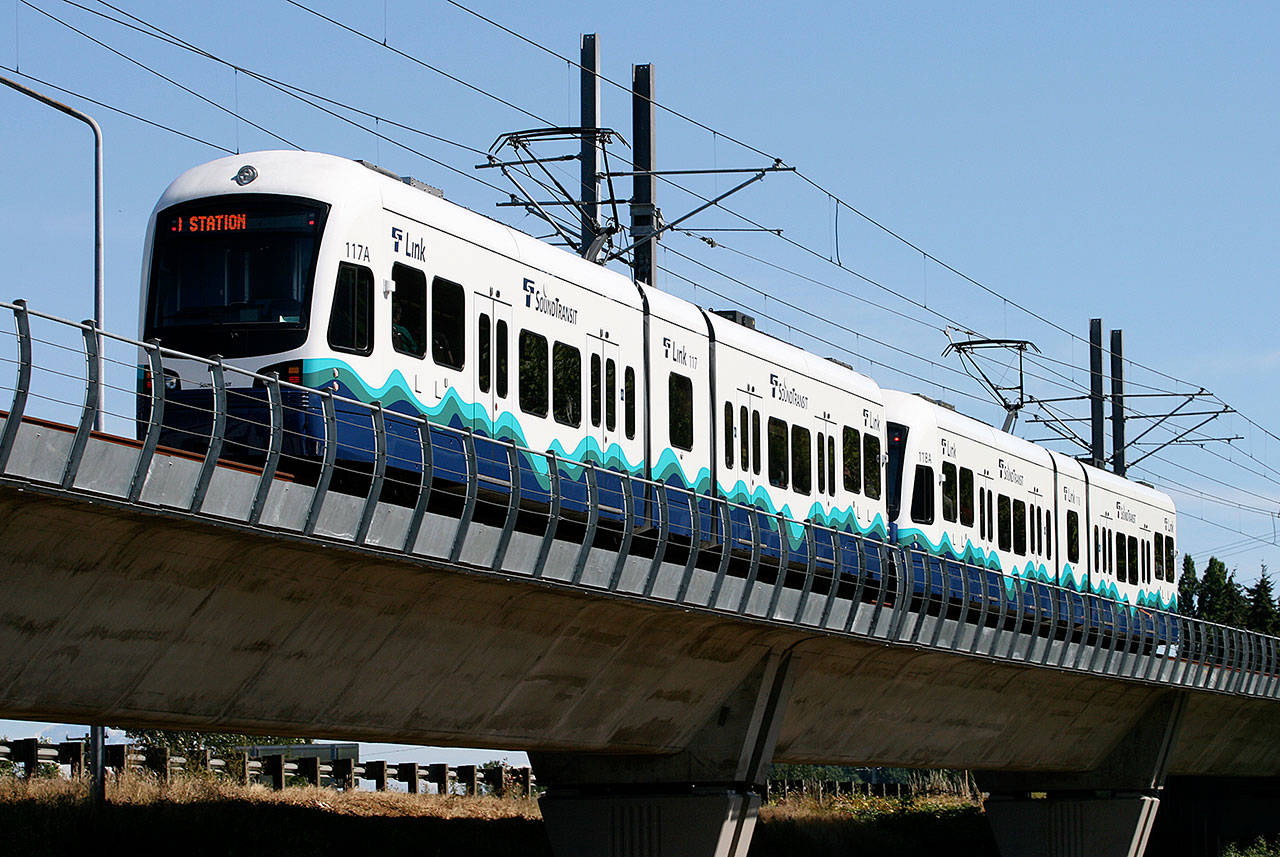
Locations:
(150, 588)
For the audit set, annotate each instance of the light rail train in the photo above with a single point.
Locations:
(342, 277)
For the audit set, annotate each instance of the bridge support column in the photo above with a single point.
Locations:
(699, 802)
(1107, 812)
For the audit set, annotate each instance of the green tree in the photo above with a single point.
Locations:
(1215, 599)
(1262, 615)
(1188, 588)
(181, 743)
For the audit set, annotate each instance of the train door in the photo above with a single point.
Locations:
(493, 362)
(748, 440)
(603, 398)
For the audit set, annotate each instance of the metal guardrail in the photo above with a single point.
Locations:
(430, 492)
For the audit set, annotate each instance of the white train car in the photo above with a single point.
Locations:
(799, 434)
(342, 277)
(961, 489)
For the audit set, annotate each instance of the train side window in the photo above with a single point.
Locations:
(966, 497)
(1159, 556)
(982, 513)
(1048, 534)
(533, 373)
(728, 434)
(448, 332)
(629, 401)
(822, 463)
(1133, 559)
(566, 384)
(831, 464)
(1169, 556)
(950, 492)
(1005, 514)
(1020, 527)
(595, 390)
(1097, 550)
(610, 395)
(801, 460)
(680, 410)
(744, 442)
(1038, 548)
(1121, 566)
(871, 466)
(351, 322)
(500, 364)
(484, 356)
(852, 460)
(922, 503)
(778, 459)
(409, 311)
(755, 442)
(1073, 537)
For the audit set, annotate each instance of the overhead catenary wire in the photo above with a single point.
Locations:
(870, 360)
(841, 202)
(159, 125)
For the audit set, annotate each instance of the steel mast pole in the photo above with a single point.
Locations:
(99, 300)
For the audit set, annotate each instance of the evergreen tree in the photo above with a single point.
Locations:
(1262, 615)
(1214, 603)
(1188, 588)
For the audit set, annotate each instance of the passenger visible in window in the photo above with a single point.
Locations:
(401, 338)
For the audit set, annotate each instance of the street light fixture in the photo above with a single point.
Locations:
(98, 294)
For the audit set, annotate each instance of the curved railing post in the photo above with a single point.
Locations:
(22, 386)
(753, 570)
(379, 472)
(664, 533)
(325, 476)
(628, 528)
(92, 396)
(275, 443)
(726, 548)
(553, 512)
(593, 521)
(155, 365)
(427, 464)
(513, 506)
(217, 434)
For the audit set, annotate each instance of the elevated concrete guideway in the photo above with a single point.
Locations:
(149, 588)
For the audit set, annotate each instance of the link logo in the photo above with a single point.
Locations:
(547, 305)
(416, 250)
(678, 353)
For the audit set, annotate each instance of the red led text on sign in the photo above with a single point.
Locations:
(211, 223)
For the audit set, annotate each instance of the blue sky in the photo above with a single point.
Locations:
(1088, 159)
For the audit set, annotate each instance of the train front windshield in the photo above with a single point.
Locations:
(232, 275)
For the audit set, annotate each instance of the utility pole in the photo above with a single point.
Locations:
(1097, 450)
(1117, 402)
(590, 156)
(644, 215)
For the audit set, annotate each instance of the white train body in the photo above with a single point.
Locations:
(344, 278)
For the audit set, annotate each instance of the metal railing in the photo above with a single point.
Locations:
(278, 456)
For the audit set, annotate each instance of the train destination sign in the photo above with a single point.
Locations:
(238, 221)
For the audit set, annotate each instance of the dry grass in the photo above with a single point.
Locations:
(206, 815)
(134, 789)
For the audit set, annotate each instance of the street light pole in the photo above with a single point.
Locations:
(99, 299)
(97, 732)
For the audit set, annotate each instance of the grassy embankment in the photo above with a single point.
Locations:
(199, 816)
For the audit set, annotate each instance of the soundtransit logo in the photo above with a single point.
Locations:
(547, 305)
(790, 395)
